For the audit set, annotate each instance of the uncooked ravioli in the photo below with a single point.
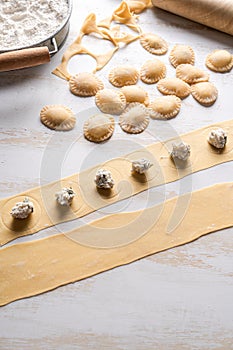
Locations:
(174, 86)
(134, 119)
(85, 84)
(191, 74)
(99, 128)
(152, 71)
(123, 75)
(205, 93)
(57, 117)
(165, 107)
(153, 43)
(135, 93)
(220, 61)
(181, 54)
(110, 101)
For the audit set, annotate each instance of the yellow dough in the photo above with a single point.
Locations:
(35, 267)
(219, 61)
(153, 43)
(76, 48)
(138, 6)
(173, 86)
(47, 213)
(191, 74)
(123, 15)
(57, 117)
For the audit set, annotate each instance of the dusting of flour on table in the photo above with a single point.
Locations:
(27, 22)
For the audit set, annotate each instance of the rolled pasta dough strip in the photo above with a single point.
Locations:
(35, 267)
(47, 212)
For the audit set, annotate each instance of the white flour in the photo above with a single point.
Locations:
(27, 22)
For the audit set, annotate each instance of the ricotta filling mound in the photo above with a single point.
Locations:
(103, 179)
(22, 210)
(180, 151)
(65, 196)
(141, 166)
(28, 22)
(218, 138)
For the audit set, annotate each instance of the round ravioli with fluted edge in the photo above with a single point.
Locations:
(135, 118)
(57, 117)
(205, 93)
(153, 43)
(152, 71)
(85, 84)
(123, 75)
(173, 86)
(99, 127)
(135, 93)
(181, 54)
(191, 74)
(220, 61)
(165, 107)
(110, 101)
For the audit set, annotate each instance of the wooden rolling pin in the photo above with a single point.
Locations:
(217, 14)
(24, 58)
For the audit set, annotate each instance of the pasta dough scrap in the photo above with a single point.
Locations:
(123, 75)
(106, 22)
(173, 86)
(205, 93)
(90, 26)
(135, 93)
(165, 107)
(152, 71)
(110, 101)
(134, 119)
(117, 36)
(76, 48)
(103, 59)
(181, 54)
(153, 43)
(138, 6)
(191, 74)
(39, 266)
(57, 117)
(85, 84)
(99, 128)
(220, 61)
(123, 15)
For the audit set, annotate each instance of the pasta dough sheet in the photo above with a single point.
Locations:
(35, 267)
(213, 13)
(88, 199)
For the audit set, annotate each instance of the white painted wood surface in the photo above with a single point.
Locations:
(179, 299)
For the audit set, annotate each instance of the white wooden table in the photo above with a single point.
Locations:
(179, 299)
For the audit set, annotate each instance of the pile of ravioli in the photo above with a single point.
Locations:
(130, 101)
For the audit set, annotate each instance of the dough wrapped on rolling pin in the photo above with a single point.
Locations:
(217, 14)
